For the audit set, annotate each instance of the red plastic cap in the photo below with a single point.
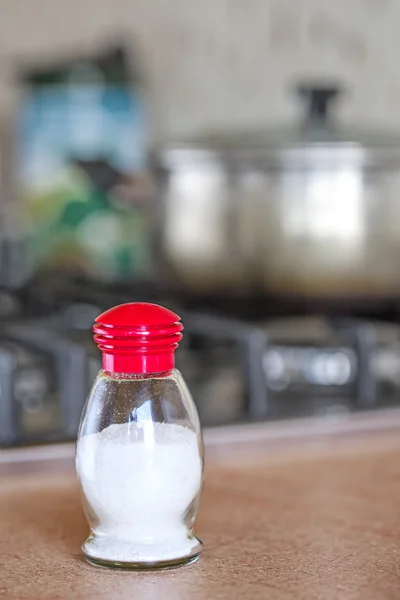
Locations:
(138, 337)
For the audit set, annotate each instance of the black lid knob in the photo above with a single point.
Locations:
(319, 99)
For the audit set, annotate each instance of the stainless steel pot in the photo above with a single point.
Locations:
(314, 211)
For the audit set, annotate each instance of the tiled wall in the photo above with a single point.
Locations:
(217, 62)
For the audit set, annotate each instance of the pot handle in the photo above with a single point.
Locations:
(318, 99)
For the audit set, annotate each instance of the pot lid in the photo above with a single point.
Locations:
(318, 130)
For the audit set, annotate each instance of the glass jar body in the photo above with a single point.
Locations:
(139, 462)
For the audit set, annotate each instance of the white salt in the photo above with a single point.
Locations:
(138, 481)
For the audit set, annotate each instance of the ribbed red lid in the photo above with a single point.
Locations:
(138, 337)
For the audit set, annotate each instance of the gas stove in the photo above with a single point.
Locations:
(239, 368)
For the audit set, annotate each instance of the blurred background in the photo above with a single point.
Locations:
(236, 161)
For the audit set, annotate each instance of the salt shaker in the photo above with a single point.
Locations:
(139, 455)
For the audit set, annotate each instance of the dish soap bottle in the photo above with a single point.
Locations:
(139, 454)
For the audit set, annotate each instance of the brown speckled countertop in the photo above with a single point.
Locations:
(294, 521)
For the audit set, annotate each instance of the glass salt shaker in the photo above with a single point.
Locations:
(139, 455)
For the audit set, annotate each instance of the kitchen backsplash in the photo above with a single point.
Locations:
(217, 62)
